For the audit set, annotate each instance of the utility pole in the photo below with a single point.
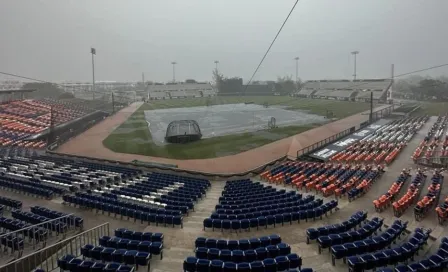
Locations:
(371, 107)
(93, 52)
(297, 72)
(355, 53)
(113, 103)
(174, 71)
(216, 64)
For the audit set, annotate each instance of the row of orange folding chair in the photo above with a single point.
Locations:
(411, 194)
(386, 199)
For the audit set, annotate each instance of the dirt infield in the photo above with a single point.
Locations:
(90, 144)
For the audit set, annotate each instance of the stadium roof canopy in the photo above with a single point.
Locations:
(17, 91)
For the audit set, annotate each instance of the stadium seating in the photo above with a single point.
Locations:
(442, 211)
(20, 120)
(365, 231)
(355, 220)
(71, 263)
(71, 220)
(10, 203)
(390, 256)
(411, 194)
(125, 252)
(245, 205)
(386, 199)
(435, 262)
(370, 244)
(328, 178)
(384, 145)
(431, 198)
(433, 141)
(267, 253)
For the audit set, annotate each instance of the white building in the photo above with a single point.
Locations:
(182, 90)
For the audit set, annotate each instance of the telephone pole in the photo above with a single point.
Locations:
(355, 53)
(93, 52)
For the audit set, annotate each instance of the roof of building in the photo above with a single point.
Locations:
(18, 91)
(180, 87)
(361, 84)
(366, 94)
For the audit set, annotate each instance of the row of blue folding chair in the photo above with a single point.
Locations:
(137, 235)
(270, 212)
(75, 220)
(12, 242)
(270, 220)
(110, 254)
(274, 209)
(370, 244)
(390, 256)
(58, 225)
(178, 178)
(256, 202)
(129, 213)
(354, 220)
(436, 262)
(350, 236)
(113, 200)
(244, 192)
(11, 203)
(154, 184)
(155, 248)
(73, 264)
(38, 233)
(238, 255)
(16, 186)
(257, 205)
(253, 192)
(280, 263)
(243, 244)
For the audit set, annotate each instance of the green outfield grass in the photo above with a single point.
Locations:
(133, 136)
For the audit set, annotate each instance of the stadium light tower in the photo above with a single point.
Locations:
(297, 71)
(355, 53)
(174, 71)
(216, 64)
(93, 52)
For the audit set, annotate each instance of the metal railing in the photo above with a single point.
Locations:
(17, 240)
(47, 257)
(324, 142)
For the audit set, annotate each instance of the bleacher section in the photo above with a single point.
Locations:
(435, 262)
(125, 252)
(157, 198)
(345, 89)
(267, 253)
(328, 178)
(34, 228)
(390, 256)
(22, 120)
(47, 176)
(246, 205)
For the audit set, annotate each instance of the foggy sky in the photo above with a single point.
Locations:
(51, 39)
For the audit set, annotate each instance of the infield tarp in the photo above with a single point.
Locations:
(327, 152)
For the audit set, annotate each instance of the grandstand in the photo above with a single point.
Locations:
(357, 90)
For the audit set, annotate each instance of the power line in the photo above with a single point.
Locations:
(270, 46)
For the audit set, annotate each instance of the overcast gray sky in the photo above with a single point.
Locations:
(51, 39)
